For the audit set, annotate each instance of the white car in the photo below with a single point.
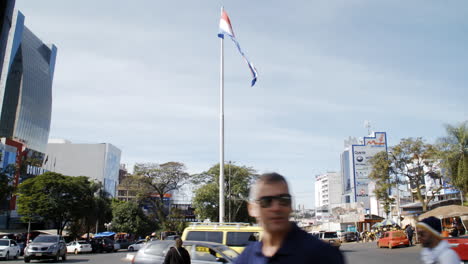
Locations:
(137, 245)
(9, 249)
(78, 247)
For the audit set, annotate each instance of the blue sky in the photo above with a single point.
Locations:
(144, 76)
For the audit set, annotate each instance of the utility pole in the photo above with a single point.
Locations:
(229, 195)
(461, 197)
(398, 205)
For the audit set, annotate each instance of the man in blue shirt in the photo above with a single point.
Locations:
(282, 241)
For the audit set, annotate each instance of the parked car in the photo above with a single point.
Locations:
(201, 252)
(99, 245)
(123, 243)
(460, 245)
(9, 249)
(393, 239)
(341, 235)
(46, 247)
(350, 237)
(330, 238)
(79, 247)
(137, 245)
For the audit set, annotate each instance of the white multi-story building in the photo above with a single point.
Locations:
(328, 188)
(100, 162)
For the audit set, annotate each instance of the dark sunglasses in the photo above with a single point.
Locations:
(283, 200)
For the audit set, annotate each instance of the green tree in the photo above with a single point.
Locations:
(237, 181)
(157, 180)
(53, 197)
(382, 173)
(6, 186)
(96, 211)
(175, 221)
(453, 150)
(416, 160)
(128, 217)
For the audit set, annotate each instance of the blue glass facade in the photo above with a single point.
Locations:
(6, 18)
(26, 95)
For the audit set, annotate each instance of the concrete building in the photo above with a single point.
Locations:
(328, 189)
(356, 167)
(100, 162)
(346, 161)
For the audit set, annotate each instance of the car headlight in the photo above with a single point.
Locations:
(53, 247)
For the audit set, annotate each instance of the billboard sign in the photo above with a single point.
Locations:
(362, 154)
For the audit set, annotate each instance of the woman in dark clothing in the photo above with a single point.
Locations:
(177, 254)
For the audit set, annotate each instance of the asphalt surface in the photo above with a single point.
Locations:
(368, 253)
(355, 253)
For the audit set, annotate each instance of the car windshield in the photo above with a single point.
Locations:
(241, 239)
(228, 252)
(205, 236)
(4, 243)
(157, 249)
(45, 239)
(330, 235)
(82, 242)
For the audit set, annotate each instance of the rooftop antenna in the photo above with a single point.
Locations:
(367, 124)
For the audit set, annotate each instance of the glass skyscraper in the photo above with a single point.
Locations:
(26, 87)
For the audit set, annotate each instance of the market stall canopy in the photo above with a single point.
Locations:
(387, 222)
(104, 234)
(446, 211)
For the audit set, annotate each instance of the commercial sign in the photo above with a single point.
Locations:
(362, 154)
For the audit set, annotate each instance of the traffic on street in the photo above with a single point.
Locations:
(362, 253)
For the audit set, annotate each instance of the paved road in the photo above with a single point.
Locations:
(102, 258)
(368, 253)
(355, 253)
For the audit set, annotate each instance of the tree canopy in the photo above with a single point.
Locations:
(128, 217)
(6, 186)
(417, 162)
(156, 181)
(454, 153)
(55, 197)
(384, 178)
(237, 181)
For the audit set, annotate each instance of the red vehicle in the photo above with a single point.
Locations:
(393, 239)
(460, 245)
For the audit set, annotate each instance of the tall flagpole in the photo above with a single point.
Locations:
(221, 134)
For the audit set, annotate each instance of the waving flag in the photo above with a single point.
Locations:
(225, 28)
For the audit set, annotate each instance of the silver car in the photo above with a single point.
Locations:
(200, 252)
(46, 247)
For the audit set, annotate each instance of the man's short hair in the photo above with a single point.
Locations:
(266, 178)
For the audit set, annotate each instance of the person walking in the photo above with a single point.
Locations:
(177, 254)
(409, 232)
(435, 249)
(283, 242)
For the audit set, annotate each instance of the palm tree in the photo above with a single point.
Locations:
(454, 152)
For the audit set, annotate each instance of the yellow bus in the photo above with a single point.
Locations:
(234, 235)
